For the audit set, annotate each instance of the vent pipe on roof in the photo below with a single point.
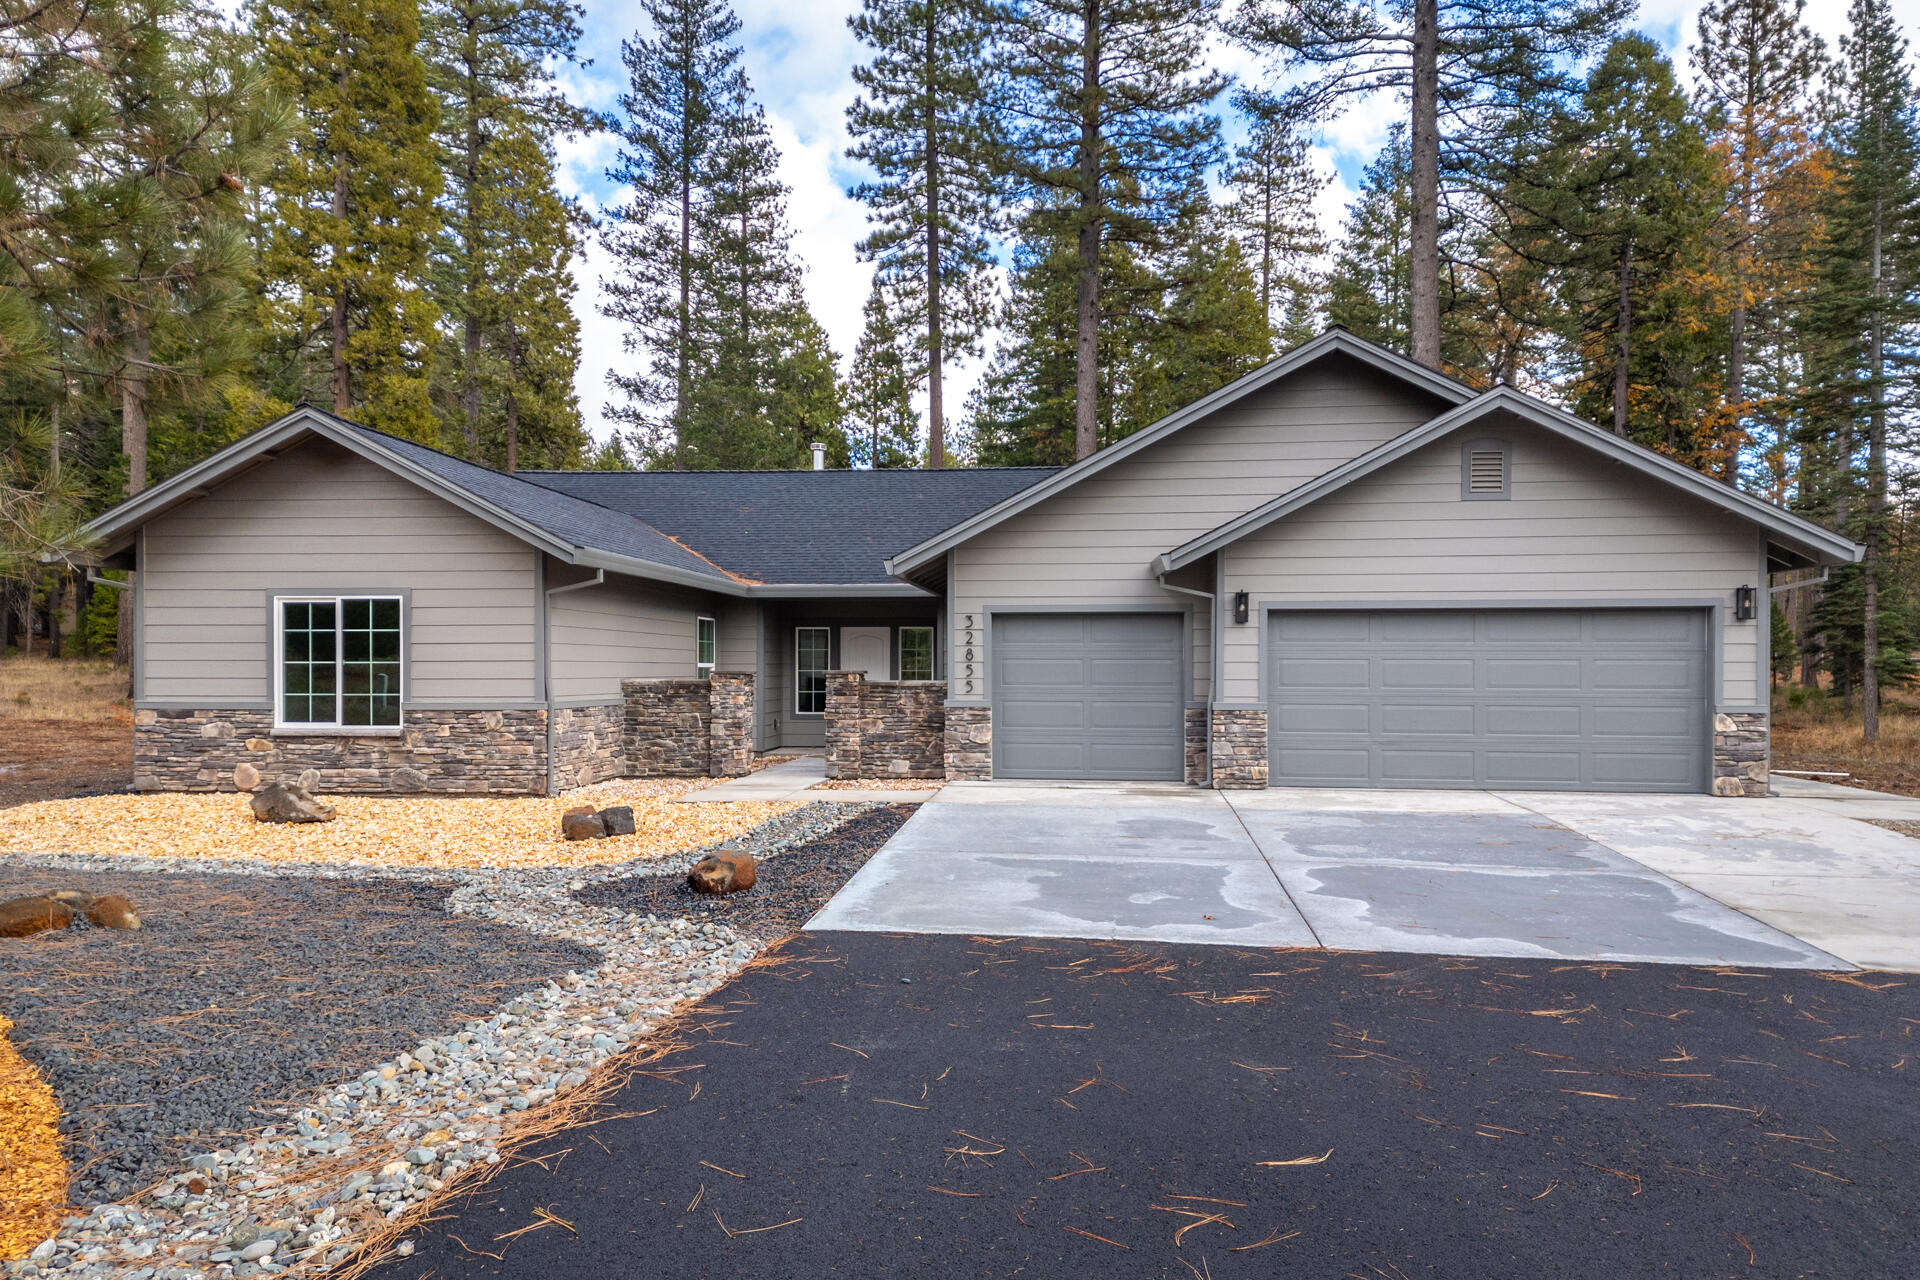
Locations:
(819, 455)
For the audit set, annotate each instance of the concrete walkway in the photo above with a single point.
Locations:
(1684, 879)
(793, 780)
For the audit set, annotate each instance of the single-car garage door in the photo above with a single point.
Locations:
(1088, 695)
(1562, 699)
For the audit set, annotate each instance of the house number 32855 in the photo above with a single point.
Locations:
(968, 645)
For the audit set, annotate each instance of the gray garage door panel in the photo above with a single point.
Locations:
(1573, 699)
(1089, 695)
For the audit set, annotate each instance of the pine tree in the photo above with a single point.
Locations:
(1757, 65)
(355, 212)
(684, 84)
(524, 242)
(1108, 137)
(491, 64)
(1632, 194)
(1272, 214)
(1212, 327)
(1023, 410)
(921, 120)
(1368, 291)
(882, 425)
(1461, 65)
(1869, 314)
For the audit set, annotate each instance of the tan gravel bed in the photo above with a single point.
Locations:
(385, 831)
(878, 784)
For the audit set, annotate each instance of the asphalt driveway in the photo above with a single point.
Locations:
(1776, 883)
(938, 1106)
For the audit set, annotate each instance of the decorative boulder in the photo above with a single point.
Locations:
(113, 912)
(728, 871)
(618, 820)
(282, 803)
(309, 780)
(582, 824)
(24, 917)
(406, 778)
(245, 776)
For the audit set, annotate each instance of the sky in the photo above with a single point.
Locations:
(800, 56)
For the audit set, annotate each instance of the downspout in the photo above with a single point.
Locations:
(546, 650)
(1213, 661)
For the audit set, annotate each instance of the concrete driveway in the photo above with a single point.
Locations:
(1792, 883)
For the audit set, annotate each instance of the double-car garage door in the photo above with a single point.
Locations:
(1596, 699)
(1562, 699)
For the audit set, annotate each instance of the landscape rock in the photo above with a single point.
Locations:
(407, 779)
(582, 826)
(728, 871)
(24, 917)
(282, 803)
(245, 776)
(309, 780)
(618, 820)
(113, 912)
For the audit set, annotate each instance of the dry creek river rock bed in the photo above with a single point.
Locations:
(233, 1061)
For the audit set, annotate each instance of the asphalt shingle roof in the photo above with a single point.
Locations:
(775, 527)
(571, 519)
(798, 526)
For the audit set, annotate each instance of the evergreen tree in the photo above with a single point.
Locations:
(1461, 65)
(491, 64)
(1212, 326)
(1632, 193)
(1757, 65)
(1272, 214)
(1368, 291)
(685, 83)
(921, 120)
(882, 425)
(1109, 138)
(1869, 313)
(1023, 410)
(355, 212)
(525, 240)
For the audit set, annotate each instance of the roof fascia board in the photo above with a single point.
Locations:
(829, 590)
(1329, 343)
(634, 567)
(143, 506)
(1797, 531)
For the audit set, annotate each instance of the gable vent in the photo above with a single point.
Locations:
(1486, 471)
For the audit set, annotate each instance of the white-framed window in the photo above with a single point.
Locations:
(337, 662)
(706, 642)
(812, 659)
(915, 660)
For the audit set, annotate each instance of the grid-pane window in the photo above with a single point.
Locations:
(340, 662)
(370, 662)
(812, 646)
(309, 661)
(705, 640)
(916, 653)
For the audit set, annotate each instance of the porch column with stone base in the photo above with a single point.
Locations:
(969, 743)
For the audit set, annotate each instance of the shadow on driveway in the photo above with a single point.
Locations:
(872, 1105)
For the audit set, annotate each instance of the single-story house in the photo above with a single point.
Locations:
(1343, 569)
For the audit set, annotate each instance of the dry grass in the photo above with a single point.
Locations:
(1819, 733)
(33, 1174)
(82, 689)
(386, 831)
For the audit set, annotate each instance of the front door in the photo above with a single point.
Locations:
(865, 649)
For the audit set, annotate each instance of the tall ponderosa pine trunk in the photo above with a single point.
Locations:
(1876, 486)
(1086, 406)
(470, 388)
(337, 347)
(1623, 353)
(1423, 266)
(936, 406)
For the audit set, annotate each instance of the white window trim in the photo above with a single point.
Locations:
(704, 670)
(796, 668)
(900, 651)
(333, 727)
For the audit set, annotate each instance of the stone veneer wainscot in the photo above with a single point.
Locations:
(885, 728)
(1239, 748)
(462, 752)
(969, 743)
(1741, 751)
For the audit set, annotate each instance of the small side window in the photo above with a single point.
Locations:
(705, 642)
(1486, 471)
(916, 653)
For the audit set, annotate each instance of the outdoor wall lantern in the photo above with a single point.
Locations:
(1743, 604)
(1239, 606)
